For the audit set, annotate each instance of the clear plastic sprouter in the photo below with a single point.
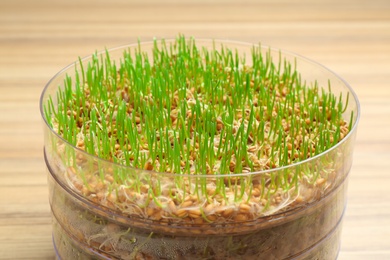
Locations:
(157, 203)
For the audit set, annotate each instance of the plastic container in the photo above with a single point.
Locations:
(94, 218)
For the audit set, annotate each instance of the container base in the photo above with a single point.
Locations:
(68, 248)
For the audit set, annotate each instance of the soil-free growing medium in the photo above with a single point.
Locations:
(186, 149)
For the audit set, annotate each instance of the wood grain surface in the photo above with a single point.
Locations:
(38, 38)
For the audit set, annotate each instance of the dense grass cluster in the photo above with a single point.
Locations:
(192, 110)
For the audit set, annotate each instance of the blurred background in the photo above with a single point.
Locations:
(38, 38)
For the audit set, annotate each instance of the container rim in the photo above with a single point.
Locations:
(206, 40)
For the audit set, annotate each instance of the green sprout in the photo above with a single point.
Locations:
(194, 111)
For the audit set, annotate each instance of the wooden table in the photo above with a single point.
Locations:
(38, 38)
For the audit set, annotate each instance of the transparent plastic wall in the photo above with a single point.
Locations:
(105, 210)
